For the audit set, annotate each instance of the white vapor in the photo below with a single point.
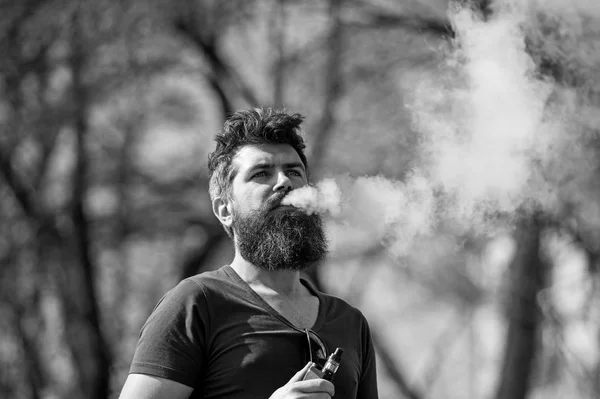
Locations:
(325, 197)
(485, 125)
(496, 139)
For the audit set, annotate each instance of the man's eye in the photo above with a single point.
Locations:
(262, 173)
(295, 172)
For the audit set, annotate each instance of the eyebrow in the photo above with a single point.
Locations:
(267, 165)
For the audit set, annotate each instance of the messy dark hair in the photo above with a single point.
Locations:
(253, 126)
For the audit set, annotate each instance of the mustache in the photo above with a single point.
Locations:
(276, 199)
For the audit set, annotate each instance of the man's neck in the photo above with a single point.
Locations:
(277, 283)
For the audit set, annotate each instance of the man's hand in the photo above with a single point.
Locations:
(310, 389)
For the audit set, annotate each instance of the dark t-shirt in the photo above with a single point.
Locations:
(212, 332)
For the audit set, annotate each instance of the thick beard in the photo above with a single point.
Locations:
(280, 239)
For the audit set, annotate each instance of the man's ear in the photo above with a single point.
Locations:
(222, 210)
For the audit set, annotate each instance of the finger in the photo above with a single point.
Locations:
(318, 385)
(300, 374)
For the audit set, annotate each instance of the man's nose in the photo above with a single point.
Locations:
(283, 183)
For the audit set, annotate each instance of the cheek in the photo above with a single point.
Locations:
(249, 200)
(302, 182)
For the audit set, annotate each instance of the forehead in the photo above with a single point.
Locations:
(272, 154)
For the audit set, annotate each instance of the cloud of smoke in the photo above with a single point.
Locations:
(482, 121)
(497, 139)
(324, 197)
(374, 208)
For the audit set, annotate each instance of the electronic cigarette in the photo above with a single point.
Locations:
(329, 368)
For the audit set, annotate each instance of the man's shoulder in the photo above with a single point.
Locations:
(209, 276)
(214, 280)
(209, 288)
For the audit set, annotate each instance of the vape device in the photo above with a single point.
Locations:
(329, 368)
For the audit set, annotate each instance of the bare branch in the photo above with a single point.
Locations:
(355, 291)
(97, 382)
(15, 68)
(416, 23)
(226, 104)
(333, 85)
(277, 33)
(371, 16)
(222, 73)
(49, 129)
(21, 190)
(393, 370)
(573, 364)
(440, 349)
(528, 278)
(22, 308)
(196, 261)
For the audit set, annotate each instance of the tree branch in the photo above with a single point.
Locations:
(528, 278)
(333, 85)
(416, 23)
(277, 33)
(397, 375)
(21, 190)
(23, 312)
(97, 384)
(370, 16)
(443, 345)
(221, 71)
(15, 69)
(196, 261)
(355, 290)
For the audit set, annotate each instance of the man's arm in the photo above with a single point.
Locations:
(142, 386)
(367, 385)
(170, 351)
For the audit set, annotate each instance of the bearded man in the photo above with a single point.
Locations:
(253, 328)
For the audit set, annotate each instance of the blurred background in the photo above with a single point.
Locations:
(107, 113)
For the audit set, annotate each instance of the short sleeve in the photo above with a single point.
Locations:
(367, 385)
(173, 341)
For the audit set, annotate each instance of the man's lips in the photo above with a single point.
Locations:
(284, 207)
(276, 202)
(279, 205)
